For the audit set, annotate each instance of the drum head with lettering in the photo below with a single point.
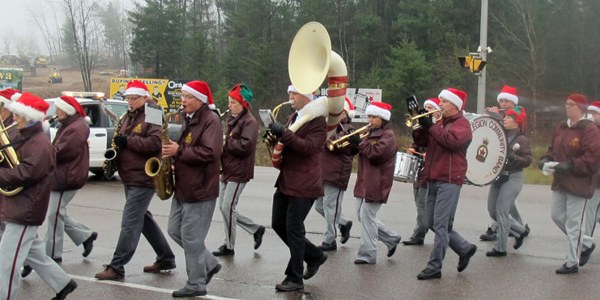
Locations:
(486, 154)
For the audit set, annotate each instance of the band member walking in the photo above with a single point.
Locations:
(420, 186)
(376, 153)
(237, 163)
(24, 212)
(504, 191)
(72, 167)
(137, 141)
(298, 185)
(197, 156)
(593, 207)
(336, 166)
(574, 157)
(445, 169)
(6, 97)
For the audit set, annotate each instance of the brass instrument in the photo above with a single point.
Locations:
(160, 169)
(409, 120)
(9, 155)
(224, 113)
(343, 141)
(109, 166)
(269, 139)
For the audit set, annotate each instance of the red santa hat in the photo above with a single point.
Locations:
(508, 93)
(69, 105)
(435, 102)
(30, 106)
(349, 108)
(379, 109)
(455, 96)
(580, 100)
(9, 95)
(201, 91)
(136, 87)
(594, 106)
(292, 88)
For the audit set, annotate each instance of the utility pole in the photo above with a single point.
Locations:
(483, 54)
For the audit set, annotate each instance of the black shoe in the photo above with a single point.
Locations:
(311, 269)
(88, 245)
(289, 286)
(463, 261)
(26, 271)
(345, 232)
(392, 250)
(429, 274)
(567, 270)
(413, 242)
(362, 262)
(258, 235)
(585, 255)
(223, 251)
(212, 273)
(71, 286)
(488, 236)
(186, 293)
(526, 233)
(495, 252)
(519, 241)
(57, 260)
(328, 247)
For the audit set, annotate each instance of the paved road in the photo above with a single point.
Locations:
(524, 274)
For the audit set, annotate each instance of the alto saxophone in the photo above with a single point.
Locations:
(109, 166)
(160, 169)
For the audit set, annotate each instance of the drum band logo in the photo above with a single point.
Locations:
(482, 151)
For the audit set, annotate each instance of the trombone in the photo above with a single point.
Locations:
(343, 141)
(410, 121)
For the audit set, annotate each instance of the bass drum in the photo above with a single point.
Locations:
(486, 155)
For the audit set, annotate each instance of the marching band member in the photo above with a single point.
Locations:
(237, 163)
(593, 207)
(575, 146)
(72, 167)
(445, 169)
(24, 212)
(507, 99)
(374, 183)
(298, 185)
(504, 191)
(137, 141)
(6, 97)
(197, 156)
(420, 186)
(336, 167)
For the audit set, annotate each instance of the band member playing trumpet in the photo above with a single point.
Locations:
(336, 166)
(298, 185)
(137, 141)
(197, 157)
(376, 153)
(237, 163)
(6, 97)
(445, 170)
(24, 211)
(504, 191)
(420, 186)
(507, 99)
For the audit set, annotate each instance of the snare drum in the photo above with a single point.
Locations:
(486, 155)
(406, 168)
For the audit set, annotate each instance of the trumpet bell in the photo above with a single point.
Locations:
(309, 57)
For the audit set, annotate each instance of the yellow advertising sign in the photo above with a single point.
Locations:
(156, 87)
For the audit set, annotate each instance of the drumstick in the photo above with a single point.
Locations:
(414, 152)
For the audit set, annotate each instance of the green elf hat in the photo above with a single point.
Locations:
(242, 94)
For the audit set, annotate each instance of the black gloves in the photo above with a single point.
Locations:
(562, 167)
(502, 179)
(277, 129)
(121, 141)
(426, 121)
(354, 139)
(542, 162)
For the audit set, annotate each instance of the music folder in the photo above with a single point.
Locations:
(266, 116)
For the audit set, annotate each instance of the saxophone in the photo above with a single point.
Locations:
(160, 169)
(109, 166)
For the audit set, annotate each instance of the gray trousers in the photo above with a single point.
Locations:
(442, 201)
(2, 227)
(136, 220)
(567, 214)
(372, 230)
(515, 214)
(421, 203)
(501, 198)
(59, 222)
(21, 245)
(330, 207)
(228, 200)
(591, 213)
(188, 227)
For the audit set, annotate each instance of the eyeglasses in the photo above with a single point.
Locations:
(132, 98)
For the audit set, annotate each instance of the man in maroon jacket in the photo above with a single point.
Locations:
(6, 97)
(298, 185)
(197, 156)
(445, 169)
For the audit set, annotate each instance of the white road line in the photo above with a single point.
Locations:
(140, 287)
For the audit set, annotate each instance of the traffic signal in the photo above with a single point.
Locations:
(473, 62)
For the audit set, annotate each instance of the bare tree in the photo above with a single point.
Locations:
(41, 14)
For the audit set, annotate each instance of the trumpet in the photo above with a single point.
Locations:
(409, 120)
(343, 141)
